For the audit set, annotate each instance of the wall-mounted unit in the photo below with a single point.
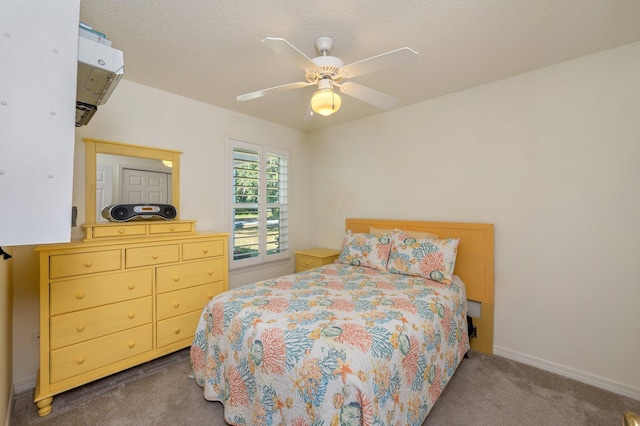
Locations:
(100, 68)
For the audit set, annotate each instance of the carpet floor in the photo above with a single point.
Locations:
(485, 391)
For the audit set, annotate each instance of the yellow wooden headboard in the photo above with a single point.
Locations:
(474, 263)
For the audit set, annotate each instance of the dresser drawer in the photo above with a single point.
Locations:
(169, 278)
(188, 299)
(83, 293)
(202, 249)
(177, 328)
(69, 265)
(77, 359)
(119, 231)
(76, 327)
(307, 262)
(170, 227)
(153, 255)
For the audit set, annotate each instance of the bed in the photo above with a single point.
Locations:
(371, 339)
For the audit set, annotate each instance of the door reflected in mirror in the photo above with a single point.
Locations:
(130, 180)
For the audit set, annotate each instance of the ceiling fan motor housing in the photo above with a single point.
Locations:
(328, 66)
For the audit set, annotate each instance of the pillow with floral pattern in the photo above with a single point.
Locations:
(368, 250)
(434, 259)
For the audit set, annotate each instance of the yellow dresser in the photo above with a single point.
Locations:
(109, 304)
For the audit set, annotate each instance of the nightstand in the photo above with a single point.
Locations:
(312, 258)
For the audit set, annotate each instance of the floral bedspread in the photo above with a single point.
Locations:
(335, 345)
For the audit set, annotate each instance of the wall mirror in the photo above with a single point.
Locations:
(112, 168)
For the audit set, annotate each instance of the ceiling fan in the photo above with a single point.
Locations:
(328, 72)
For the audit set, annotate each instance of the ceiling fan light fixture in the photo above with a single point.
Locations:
(325, 101)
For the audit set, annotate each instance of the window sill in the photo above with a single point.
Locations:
(256, 267)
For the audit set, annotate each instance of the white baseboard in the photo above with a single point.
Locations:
(25, 384)
(581, 376)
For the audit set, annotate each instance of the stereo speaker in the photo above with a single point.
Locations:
(127, 212)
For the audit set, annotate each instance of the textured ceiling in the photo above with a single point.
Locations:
(211, 50)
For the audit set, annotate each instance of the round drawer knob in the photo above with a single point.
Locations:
(176, 304)
(88, 264)
(121, 231)
(132, 345)
(154, 256)
(80, 327)
(172, 228)
(176, 330)
(131, 286)
(80, 295)
(205, 251)
(176, 278)
(80, 360)
(131, 315)
(209, 296)
(306, 263)
(210, 272)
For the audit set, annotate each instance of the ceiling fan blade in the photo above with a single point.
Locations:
(380, 62)
(368, 95)
(271, 90)
(283, 47)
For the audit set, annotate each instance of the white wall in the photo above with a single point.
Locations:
(141, 115)
(38, 51)
(550, 157)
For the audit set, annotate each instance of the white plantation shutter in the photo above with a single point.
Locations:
(277, 202)
(259, 203)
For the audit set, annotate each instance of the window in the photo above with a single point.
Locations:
(259, 204)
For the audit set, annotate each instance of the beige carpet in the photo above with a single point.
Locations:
(485, 390)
